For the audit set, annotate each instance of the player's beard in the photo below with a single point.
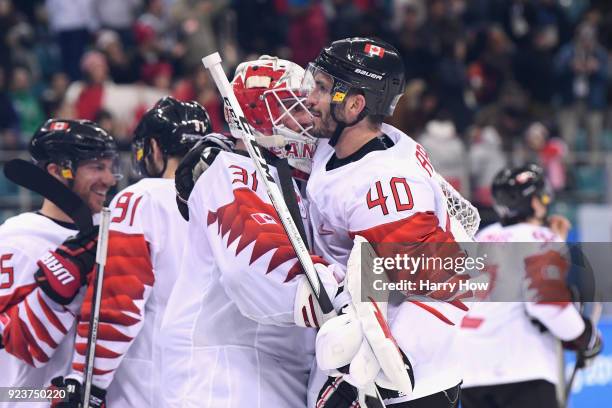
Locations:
(325, 127)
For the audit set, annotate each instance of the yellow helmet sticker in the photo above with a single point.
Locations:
(139, 154)
(338, 97)
(67, 173)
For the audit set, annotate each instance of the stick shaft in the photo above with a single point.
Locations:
(94, 318)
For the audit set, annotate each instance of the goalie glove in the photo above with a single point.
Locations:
(194, 164)
(343, 349)
(358, 344)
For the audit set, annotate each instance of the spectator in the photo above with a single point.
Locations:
(440, 27)
(84, 99)
(195, 19)
(533, 67)
(343, 18)
(451, 81)
(581, 67)
(9, 122)
(550, 13)
(415, 108)
(261, 26)
(71, 21)
(156, 16)
(198, 87)
(26, 103)
(90, 92)
(118, 15)
(53, 95)
(149, 55)
(158, 75)
(307, 30)
(122, 66)
(518, 18)
(486, 159)
(447, 153)
(548, 152)
(493, 67)
(8, 19)
(418, 59)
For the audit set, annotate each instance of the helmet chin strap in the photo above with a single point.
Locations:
(341, 125)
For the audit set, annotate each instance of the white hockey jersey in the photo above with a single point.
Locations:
(38, 333)
(389, 196)
(146, 240)
(229, 333)
(498, 342)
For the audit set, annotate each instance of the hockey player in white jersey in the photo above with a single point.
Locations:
(509, 360)
(370, 179)
(237, 325)
(38, 307)
(146, 240)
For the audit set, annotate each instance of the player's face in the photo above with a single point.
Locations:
(297, 118)
(92, 180)
(319, 104)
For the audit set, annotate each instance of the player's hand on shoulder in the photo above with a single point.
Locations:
(74, 394)
(195, 163)
(63, 271)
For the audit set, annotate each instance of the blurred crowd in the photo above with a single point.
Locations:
(489, 81)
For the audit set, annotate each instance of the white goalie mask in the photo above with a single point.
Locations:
(268, 90)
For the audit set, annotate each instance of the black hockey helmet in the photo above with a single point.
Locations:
(68, 142)
(513, 189)
(366, 65)
(176, 126)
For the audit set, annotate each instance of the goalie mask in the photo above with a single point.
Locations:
(268, 92)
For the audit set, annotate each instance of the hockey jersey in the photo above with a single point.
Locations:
(389, 196)
(229, 332)
(37, 332)
(498, 342)
(146, 240)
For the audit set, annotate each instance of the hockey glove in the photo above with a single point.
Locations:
(62, 272)
(588, 345)
(306, 311)
(196, 161)
(74, 394)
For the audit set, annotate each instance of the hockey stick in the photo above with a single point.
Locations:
(580, 363)
(32, 177)
(242, 130)
(94, 316)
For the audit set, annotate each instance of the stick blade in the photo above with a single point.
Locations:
(32, 177)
